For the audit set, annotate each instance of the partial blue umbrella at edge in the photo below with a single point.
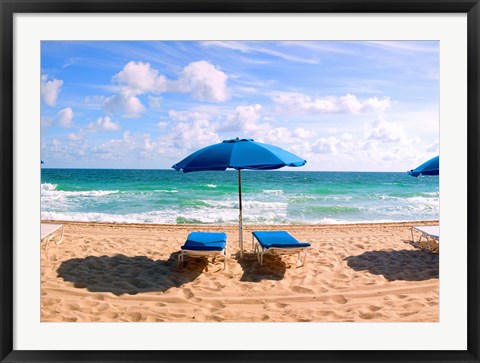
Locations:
(239, 154)
(431, 167)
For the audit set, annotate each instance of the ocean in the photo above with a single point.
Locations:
(269, 197)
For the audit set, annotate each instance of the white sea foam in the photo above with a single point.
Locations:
(190, 215)
(48, 187)
(246, 204)
(335, 197)
(211, 185)
(166, 191)
(273, 191)
(86, 193)
(152, 218)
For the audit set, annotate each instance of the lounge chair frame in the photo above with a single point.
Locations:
(425, 234)
(195, 253)
(277, 251)
(49, 233)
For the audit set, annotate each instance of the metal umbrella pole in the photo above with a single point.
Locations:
(240, 222)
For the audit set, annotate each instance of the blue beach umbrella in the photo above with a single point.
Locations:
(431, 167)
(238, 154)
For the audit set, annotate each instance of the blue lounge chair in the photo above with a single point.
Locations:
(200, 244)
(277, 243)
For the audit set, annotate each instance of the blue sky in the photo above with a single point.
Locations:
(342, 106)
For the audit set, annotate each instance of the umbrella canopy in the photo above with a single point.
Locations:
(431, 167)
(238, 154)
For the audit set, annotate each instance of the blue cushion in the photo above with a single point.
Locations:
(279, 239)
(205, 241)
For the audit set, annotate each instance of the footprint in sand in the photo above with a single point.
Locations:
(219, 285)
(413, 305)
(217, 304)
(276, 305)
(103, 307)
(188, 293)
(134, 316)
(50, 302)
(408, 313)
(216, 318)
(340, 275)
(111, 315)
(301, 290)
(369, 316)
(339, 299)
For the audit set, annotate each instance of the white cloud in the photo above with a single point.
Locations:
(190, 136)
(304, 134)
(204, 81)
(183, 116)
(244, 119)
(76, 136)
(181, 139)
(154, 102)
(126, 104)
(136, 146)
(384, 131)
(46, 121)
(104, 124)
(49, 90)
(349, 104)
(276, 135)
(65, 117)
(325, 145)
(141, 78)
(434, 147)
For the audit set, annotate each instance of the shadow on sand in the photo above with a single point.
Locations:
(406, 265)
(129, 275)
(273, 268)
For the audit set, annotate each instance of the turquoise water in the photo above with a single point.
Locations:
(269, 197)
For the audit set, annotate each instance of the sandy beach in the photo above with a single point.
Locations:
(353, 273)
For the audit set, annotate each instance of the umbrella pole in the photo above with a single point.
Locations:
(240, 222)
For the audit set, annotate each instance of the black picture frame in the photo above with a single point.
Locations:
(10, 7)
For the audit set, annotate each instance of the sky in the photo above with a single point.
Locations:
(341, 105)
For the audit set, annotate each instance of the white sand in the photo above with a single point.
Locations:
(119, 272)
